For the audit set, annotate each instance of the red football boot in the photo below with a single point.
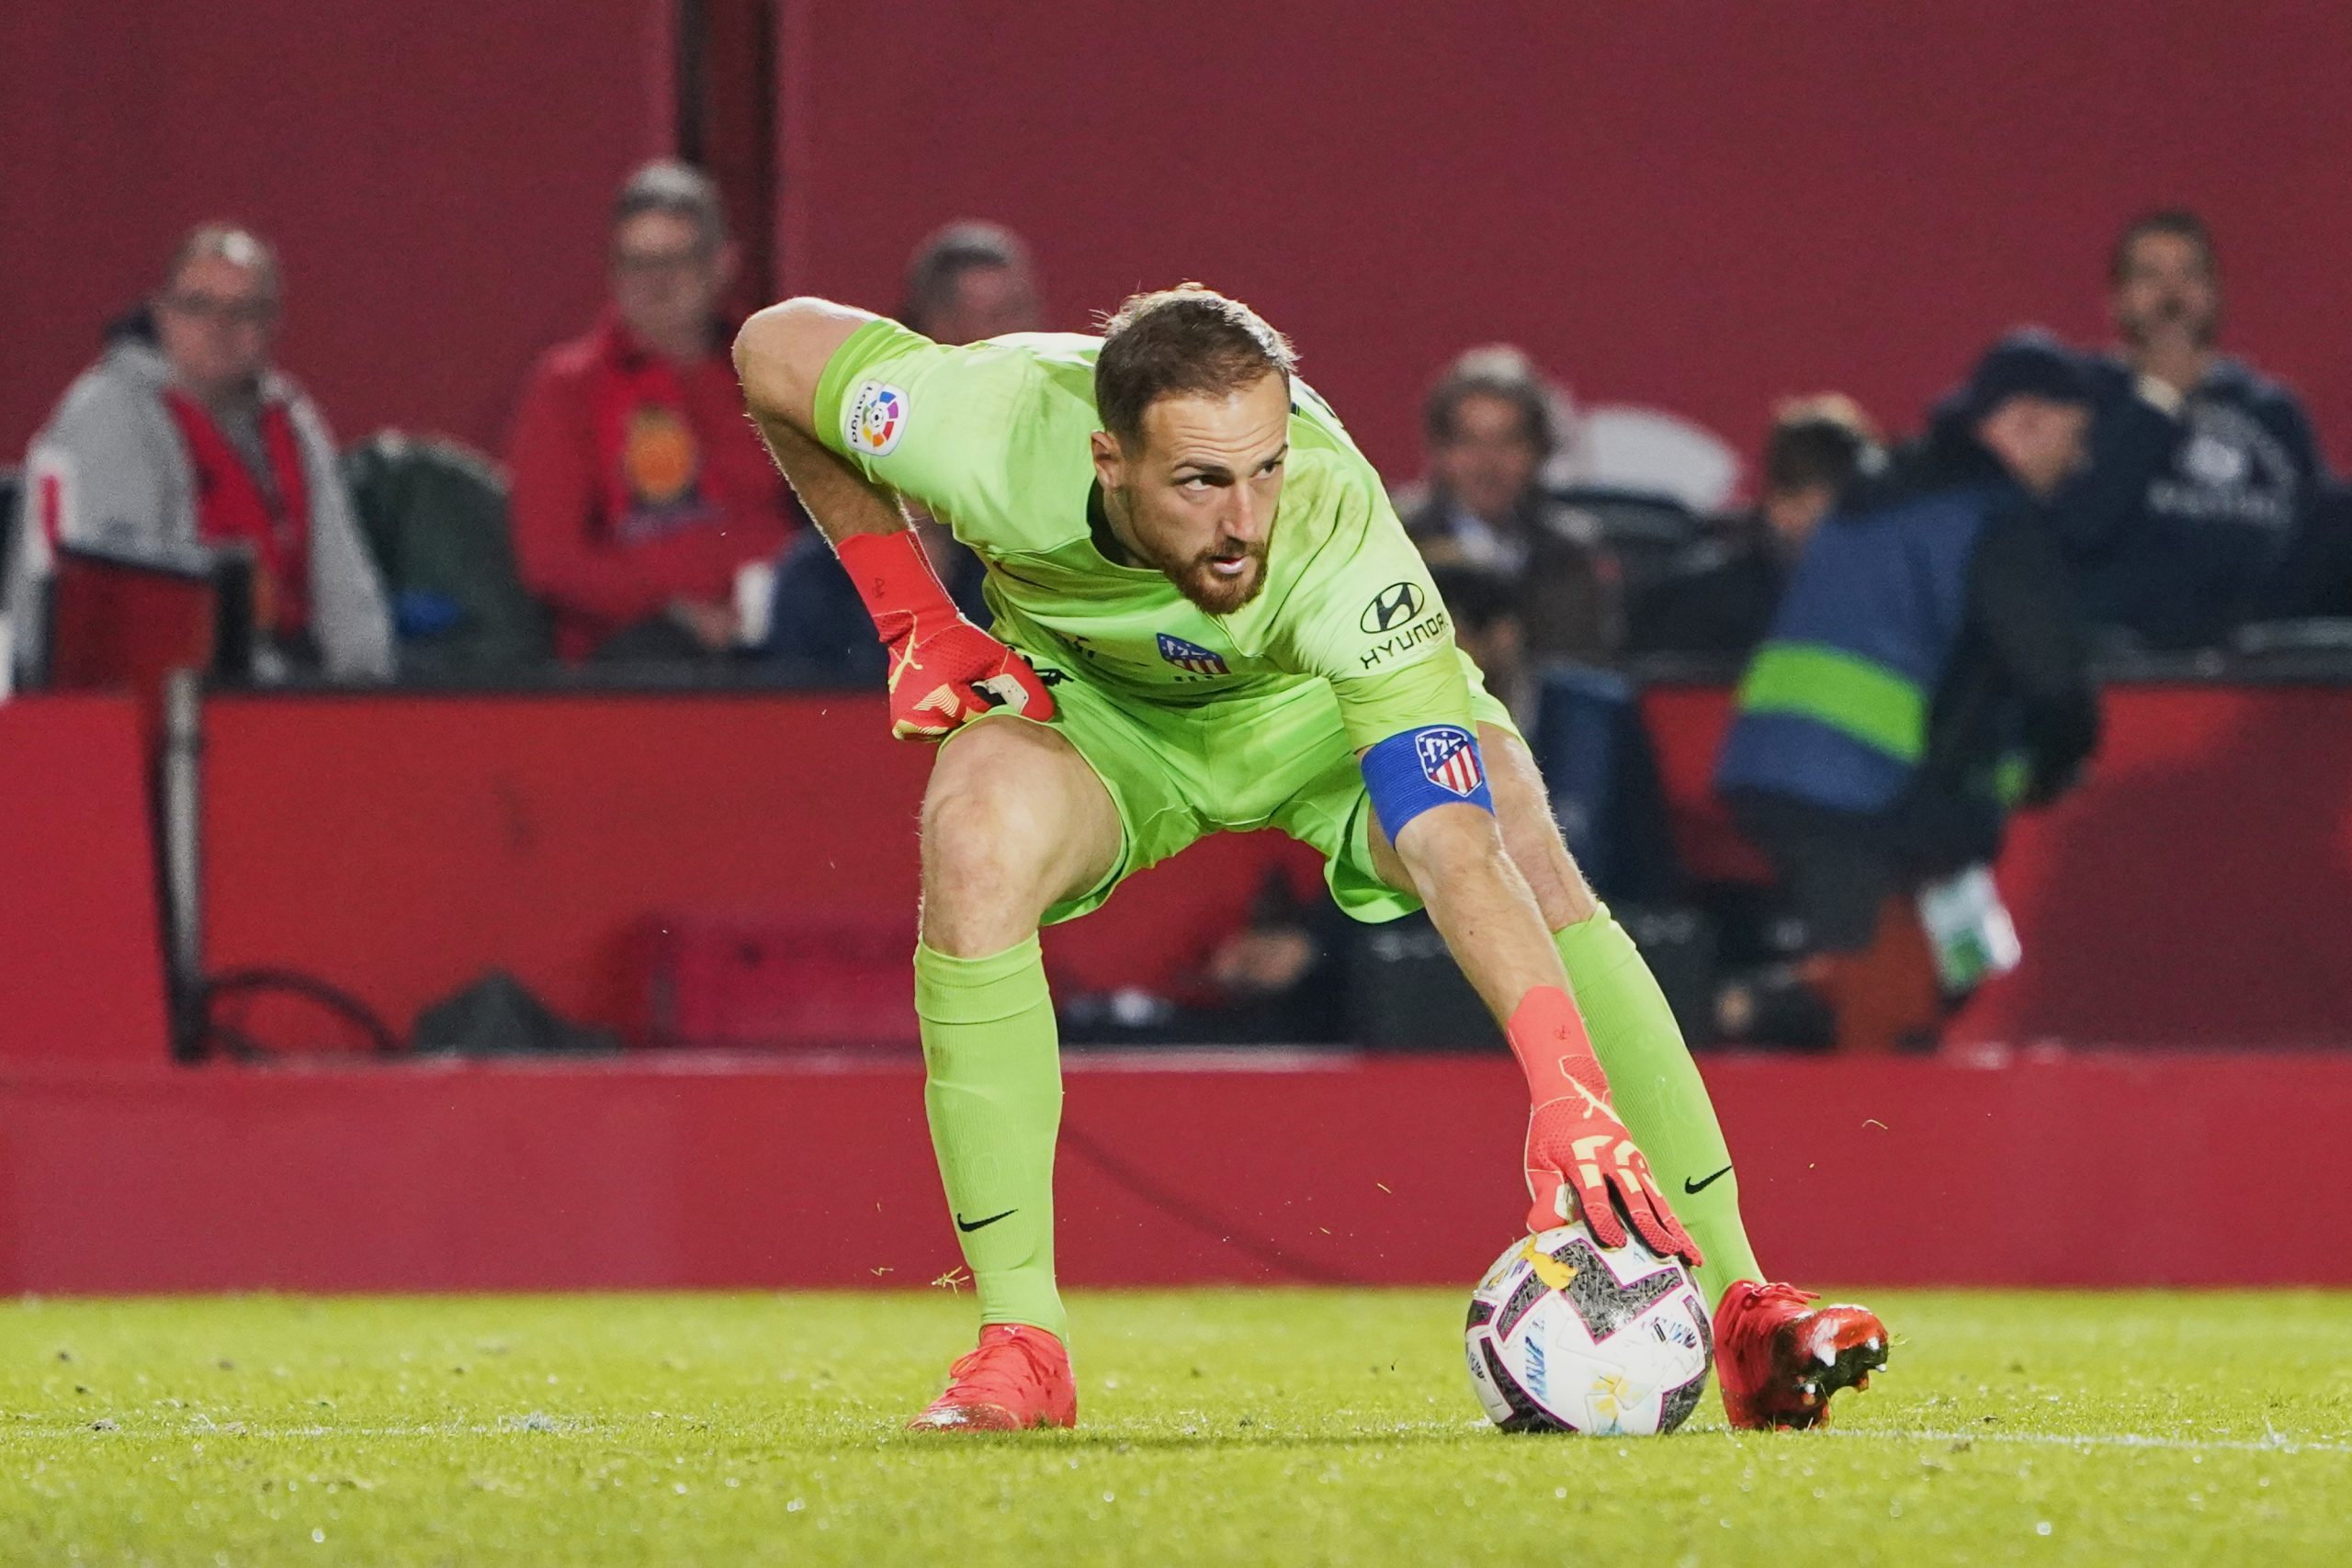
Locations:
(1779, 1360)
(1018, 1378)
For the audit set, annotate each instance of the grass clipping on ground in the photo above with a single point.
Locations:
(1289, 1427)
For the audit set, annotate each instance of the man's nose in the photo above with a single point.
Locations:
(1244, 518)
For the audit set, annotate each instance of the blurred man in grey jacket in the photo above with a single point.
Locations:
(180, 443)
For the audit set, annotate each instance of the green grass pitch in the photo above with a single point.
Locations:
(1217, 1428)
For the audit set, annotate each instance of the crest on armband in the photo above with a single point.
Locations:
(1449, 760)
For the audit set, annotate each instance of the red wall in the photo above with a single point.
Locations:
(434, 174)
(701, 1171)
(2197, 892)
(397, 846)
(1701, 206)
(80, 936)
(2200, 891)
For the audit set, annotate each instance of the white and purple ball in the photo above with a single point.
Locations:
(1566, 1336)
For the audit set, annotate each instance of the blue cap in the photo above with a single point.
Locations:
(2030, 363)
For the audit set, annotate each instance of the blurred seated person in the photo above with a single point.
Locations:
(639, 492)
(1278, 978)
(1926, 672)
(2203, 475)
(183, 442)
(1719, 598)
(819, 629)
(1486, 625)
(1489, 428)
(971, 281)
(967, 282)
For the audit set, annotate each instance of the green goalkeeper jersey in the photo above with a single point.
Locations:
(993, 441)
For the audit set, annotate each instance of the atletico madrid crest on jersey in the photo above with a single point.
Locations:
(1192, 656)
(1449, 761)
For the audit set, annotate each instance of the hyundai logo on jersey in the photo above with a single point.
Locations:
(1449, 761)
(1394, 606)
(1192, 656)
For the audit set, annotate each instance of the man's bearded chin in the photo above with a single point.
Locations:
(1211, 591)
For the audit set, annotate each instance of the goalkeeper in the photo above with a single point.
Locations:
(1207, 616)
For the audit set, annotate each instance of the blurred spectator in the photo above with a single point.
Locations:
(182, 441)
(970, 281)
(820, 631)
(967, 282)
(1720, 598)
(1927, 670)
(1280, 977)
(1489, 426)
(2203, 472)
(1485, 607)
(640, 493)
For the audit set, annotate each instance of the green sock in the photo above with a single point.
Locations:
(994, 1094)
(1658, 1092)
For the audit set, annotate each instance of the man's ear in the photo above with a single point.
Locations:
(1110, 464)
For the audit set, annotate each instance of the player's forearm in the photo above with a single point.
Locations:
(780, 357)
(840, 499)
(1481, 906)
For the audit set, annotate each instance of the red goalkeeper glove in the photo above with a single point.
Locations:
(1575, 1142)
(944, 671)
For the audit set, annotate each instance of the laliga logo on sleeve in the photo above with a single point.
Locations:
(1447, 760)
(876, 418)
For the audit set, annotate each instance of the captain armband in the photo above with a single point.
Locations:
(1437, 765)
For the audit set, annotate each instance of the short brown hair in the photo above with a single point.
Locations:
(2177, 221)
(1503, 373)
(1183, 340)
(940, 260)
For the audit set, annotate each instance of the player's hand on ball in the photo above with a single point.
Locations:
(946, 676)
(1579, 1156)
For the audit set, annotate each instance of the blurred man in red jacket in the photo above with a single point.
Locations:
(640, 493)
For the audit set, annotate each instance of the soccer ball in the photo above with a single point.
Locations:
(1566, 1336)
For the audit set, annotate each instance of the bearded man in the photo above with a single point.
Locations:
(1207, 616)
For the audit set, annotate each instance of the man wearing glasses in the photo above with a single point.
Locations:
(640, 494)
(181, 442)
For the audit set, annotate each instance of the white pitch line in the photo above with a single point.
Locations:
(2276, 1443)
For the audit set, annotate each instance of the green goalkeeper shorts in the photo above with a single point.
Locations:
(1180, 772)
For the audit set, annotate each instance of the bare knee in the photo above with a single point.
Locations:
(1006, 831)
(984, 859)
